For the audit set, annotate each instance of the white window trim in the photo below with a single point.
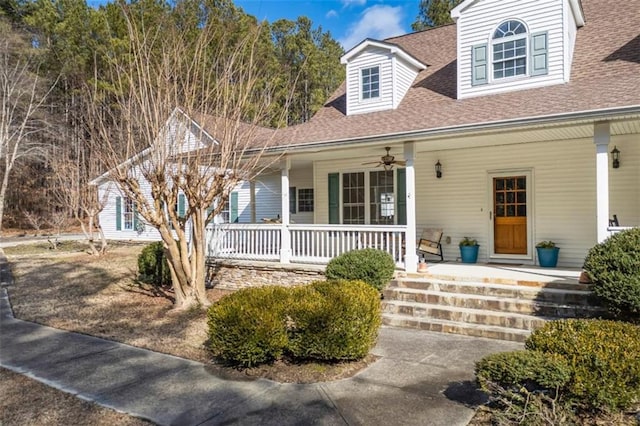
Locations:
(379, 97)
(490, 63)
(367, 194)
(125, 202)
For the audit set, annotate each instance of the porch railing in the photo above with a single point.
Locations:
(308, 243)
(615, 229)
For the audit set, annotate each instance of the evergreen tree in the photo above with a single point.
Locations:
(434, 13)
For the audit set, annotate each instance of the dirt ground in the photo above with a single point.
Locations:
(100, 296)
(21, 396)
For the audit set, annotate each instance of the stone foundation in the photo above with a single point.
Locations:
(234, 274)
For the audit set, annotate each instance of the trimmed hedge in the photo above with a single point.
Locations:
(614, 268)
(374, 267)
(529, 369)
(152, 265)
(324, 321)
(604, 357)
(248, 327)
(334, 320)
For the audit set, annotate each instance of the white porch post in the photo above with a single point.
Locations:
(410, 256)
(601, 137)
(285, 243)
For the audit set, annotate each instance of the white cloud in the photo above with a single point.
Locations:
(348, 3)
(377, 22)
(331, 14)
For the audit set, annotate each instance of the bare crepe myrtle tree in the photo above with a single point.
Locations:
(22, 98)
(182, 119)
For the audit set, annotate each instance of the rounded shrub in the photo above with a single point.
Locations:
(334, 320)
(531, 370)
(248, 327)
(374, 267)
(152, 265)
(604, 357)
(614, 269)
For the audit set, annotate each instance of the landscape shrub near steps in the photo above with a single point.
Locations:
(325, 320)
(570, 367)
(614, 268)
(374, 267)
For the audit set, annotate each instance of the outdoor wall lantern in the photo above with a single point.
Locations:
(438, 170)
(615, 153)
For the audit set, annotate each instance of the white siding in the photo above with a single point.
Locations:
(624, 182)
(370, 58)
(405, 74)
(479, 21)
(563, 181)
(302, 179)
(267, 198)
(571, 30)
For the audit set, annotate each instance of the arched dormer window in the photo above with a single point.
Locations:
(509, 44)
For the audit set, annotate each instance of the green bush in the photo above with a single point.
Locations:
(529, 369)
(152, 265)
(604, 357)
(248, 327)
(374, 267)
(334, 320)
(614, 268)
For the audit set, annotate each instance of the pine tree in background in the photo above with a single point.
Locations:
(434, 13)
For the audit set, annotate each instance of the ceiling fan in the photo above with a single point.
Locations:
(387, 161)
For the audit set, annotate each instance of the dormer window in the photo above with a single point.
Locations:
(371, 83)
(509, 50)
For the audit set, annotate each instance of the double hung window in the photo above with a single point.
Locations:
(370, 83)
(509, 50)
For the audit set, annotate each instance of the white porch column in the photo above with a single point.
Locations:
(410, 256)
(601, 137)
(285, 242)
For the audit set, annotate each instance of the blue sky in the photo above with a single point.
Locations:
(349, 21)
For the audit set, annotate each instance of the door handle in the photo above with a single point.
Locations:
(490, 215)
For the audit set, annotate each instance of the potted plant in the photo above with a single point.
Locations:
(469, 250)
(547, 254)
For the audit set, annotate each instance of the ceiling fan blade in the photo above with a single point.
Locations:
(377, 163)
(400, 163)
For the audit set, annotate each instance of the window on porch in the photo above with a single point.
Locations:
(367, 198)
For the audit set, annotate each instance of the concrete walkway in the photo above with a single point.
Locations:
(421, 378)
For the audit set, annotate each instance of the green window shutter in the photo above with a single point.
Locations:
(292, 199)
(539, 54)
(181, 205)
(401, 177)
(118, 213)
(334, 198)
(233, 207)
(479, 64)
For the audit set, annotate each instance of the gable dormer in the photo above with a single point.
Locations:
(378, 76)
(507, 45)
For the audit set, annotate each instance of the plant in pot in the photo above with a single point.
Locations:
(469, 250)
(547, 254)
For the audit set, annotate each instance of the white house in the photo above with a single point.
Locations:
(520, 103)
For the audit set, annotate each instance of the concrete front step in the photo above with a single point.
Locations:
(464, 315)
(565, 283)
(445, 326)
(570, 296)
(580, 307)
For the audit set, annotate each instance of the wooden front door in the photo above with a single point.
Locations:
(510, 215)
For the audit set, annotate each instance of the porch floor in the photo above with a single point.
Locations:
(503, 273)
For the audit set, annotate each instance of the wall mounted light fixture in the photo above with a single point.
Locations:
(438, 170)
(615, 154)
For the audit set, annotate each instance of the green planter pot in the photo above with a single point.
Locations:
(548, 257)
(469, 254)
